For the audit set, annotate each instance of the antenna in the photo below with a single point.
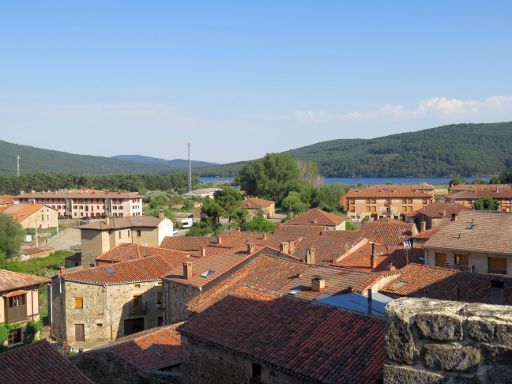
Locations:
(18, 157)
(189, 170)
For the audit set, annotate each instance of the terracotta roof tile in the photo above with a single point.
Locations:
(256, 203)
(39, 363)
(6, 199)
(390, 233)
(307, 340)
(123, 222)
(13, 280)
(125, 252)
(316, 217)
(429, 232)
(391, 191)
(20, 212)
(79, 194)
(439, 210)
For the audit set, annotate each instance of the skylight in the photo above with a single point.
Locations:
(110, 270)
(207, 273)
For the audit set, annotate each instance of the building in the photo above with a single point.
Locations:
(39, 363)
(256, 206)
(392, 201)
(86, 203)
(19, 302)
(32, 215)
(6, 200)
(28, 253)
(107, 302)
(101, 236)
(152, 356)
(317, 217)
(435, 214)
(466, 195)
(202, 193)
(479, 241)
(266, 338)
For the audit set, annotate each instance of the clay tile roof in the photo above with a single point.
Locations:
(316, 217)
(425, 235)
(256, 203)
(480, 187)
(13, 280)
(151, 349)
(293, 232)
(439, 210)
(390, 233)
(20, 212)
(39, 362)
(389, 191)
(6, 199)
(79, 194)
(265, 272)
(187, 243)
(150, 268)
(476, 231)
(125, 252)
(311, 341)
(416, 280)
(124, 222)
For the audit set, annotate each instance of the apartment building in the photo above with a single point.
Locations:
(392, 201)
(90, 203)
(466, 195)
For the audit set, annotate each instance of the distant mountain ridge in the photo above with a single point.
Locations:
(175, 163)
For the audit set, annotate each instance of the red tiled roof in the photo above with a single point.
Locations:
(6, 199)
(305, 339)
(13, 280)
(446, 284)
(390, 233)
(187, 243)
(293, 232)
(479, 187)
(151, 349)
(316, 217)
(390, 191)
(256, 203)
(147, 269)
(125, 252)
(39, 362)
(123, 222)
(429, 232)
(20, 212)
(475, 191)
(439, 210)
(79, 194)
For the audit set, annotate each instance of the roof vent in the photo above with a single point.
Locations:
(110, 270)
(207, 273)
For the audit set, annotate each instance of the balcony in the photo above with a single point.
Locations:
(139, 308)
(16, 313)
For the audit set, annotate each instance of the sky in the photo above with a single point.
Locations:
(239, 78)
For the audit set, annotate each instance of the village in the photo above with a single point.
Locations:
(315, 296)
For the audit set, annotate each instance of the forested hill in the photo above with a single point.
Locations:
(459, 149)
(175, 163)
(35, 160)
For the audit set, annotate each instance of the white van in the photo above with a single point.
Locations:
(187, 223)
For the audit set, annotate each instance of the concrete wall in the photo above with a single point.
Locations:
(177, 297)
(44, 218)
(434, 341)
(165, 228)
(93, 243)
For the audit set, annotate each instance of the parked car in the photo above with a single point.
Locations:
(187, 222)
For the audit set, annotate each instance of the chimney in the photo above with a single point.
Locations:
(161, 214)
(107, 220)
(317, 284)
(61, 270)
(444, 212)
(203, 251)
(315, 221)
(264, 236)
(391, 266)
(251, 248)
(311, 256)
(454, 217)
(187, 270)
(284, 247)
(219, 240)
(373, 263)
(370, 301)
(497, 292)
(423, 225)
(292, 246)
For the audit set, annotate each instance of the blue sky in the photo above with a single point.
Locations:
(239, 79)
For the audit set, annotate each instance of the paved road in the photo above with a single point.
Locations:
(68, 239)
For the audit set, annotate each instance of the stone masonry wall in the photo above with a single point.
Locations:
(434, 341)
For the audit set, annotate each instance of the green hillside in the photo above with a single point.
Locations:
(175, 163)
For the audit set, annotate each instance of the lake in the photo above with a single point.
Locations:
(371, 180)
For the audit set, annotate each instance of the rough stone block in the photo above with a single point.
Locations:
(450, 357)
(400, 342)
(496, 354)
(406, 375)
(481, 329)
(499, 375)
(503, 333)
(439, 326)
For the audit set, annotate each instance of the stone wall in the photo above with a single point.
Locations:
(434, 341)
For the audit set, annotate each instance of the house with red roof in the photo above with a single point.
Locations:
(32, 215)
(317, 217)
(466, 195)
(256, 206)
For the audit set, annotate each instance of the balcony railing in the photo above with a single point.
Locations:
(16, 314)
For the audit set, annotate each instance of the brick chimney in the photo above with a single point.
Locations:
(311, 256)
(251, 247)
(187, 270)
(219, 240)
(373, 261)
(292, 246)
(161, 214)
(317, 284)
(423, 225)
(203, 251)
(264, 236)
(444, 212)
(284, 247)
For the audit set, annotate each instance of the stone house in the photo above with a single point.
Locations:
(317, 217)
(101, 236)
(19, 302)
(435, 214)
(478, 241)
(264, 338)
(107, 302)
(256, 206)
(32, 215)
(393, 201)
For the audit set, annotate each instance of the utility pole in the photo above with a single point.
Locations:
(18, 165)
(189, 171)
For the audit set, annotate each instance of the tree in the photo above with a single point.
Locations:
(328, 197)
(230, 200)
(258, 224)
(455, 181)
(11, 234)
(213, 211)
(486, 203)
(293, 203)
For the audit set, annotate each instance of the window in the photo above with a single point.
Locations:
(352, 209)
(99, 325)
(461, 259)
(137, 285)
(425, 201)
(139, 233)
(160, 321)
(137, 302)
(440, 259)
(497, 265)
(17, 301)
(128, 233)
(120, 233)
(159, 297)
(14, 336)
(79, 302)
(256, 371)
(368, 208)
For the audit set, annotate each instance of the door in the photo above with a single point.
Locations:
(440, 259)
(79, 332)
(133, 325)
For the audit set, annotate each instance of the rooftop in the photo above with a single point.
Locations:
(440, 210)
(476, 231)
(79, 194)
(39, 362)
(123, 222)
(390, 233)
(14, 280)
(125, 252)
(308, 340)
(316, 217)
(256, 203)
(20, 212)
(388, 191)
